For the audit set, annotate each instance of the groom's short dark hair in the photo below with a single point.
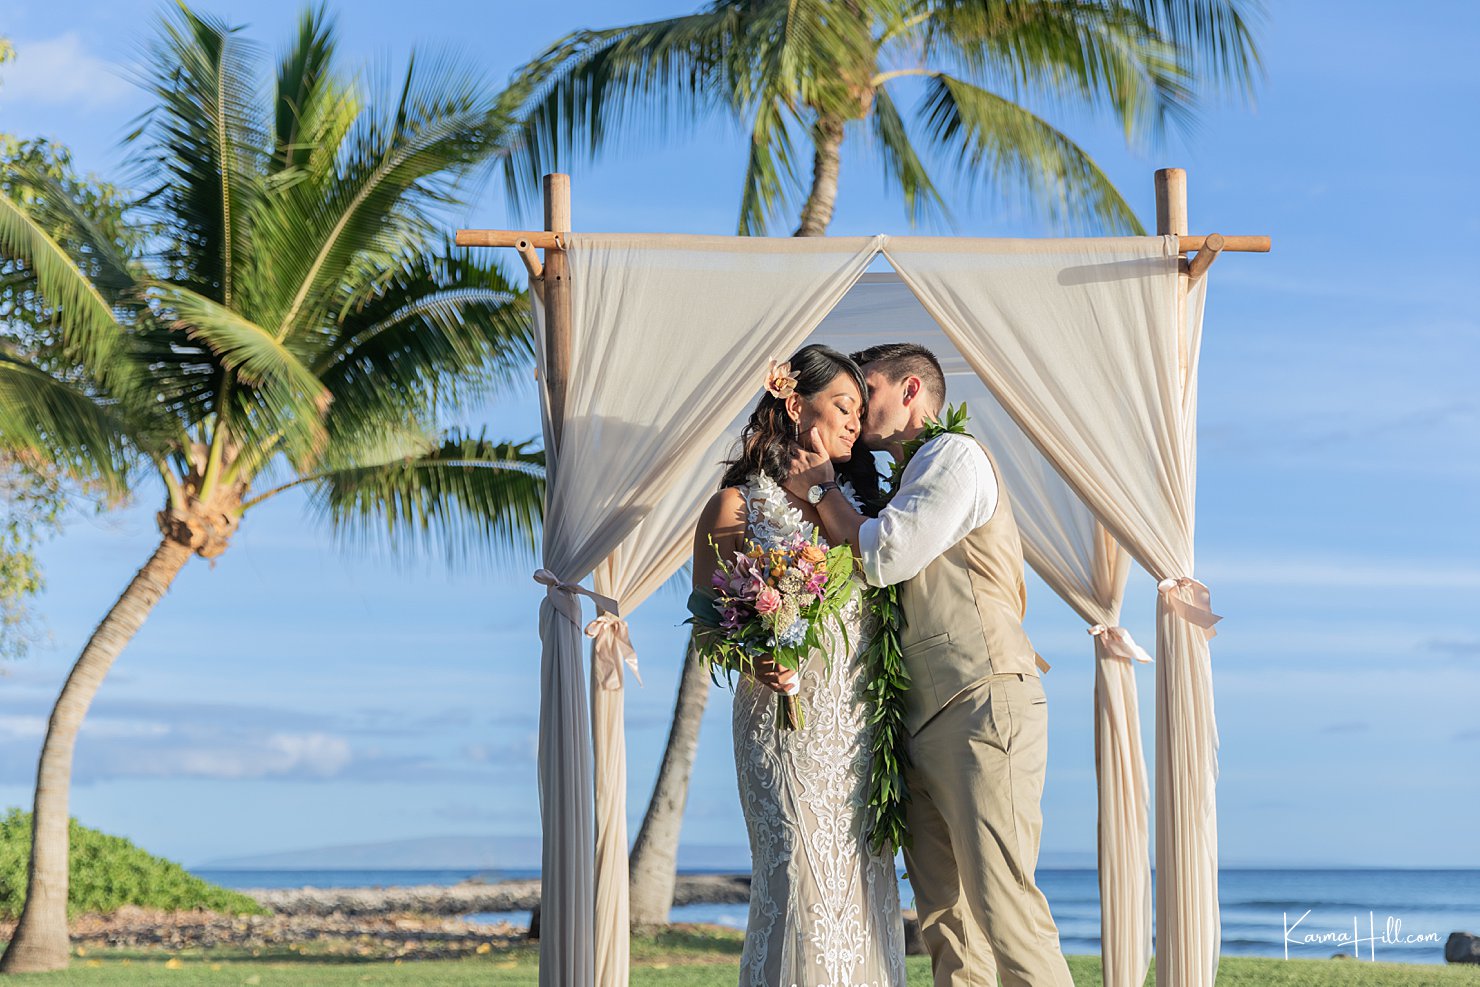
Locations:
(896, 361)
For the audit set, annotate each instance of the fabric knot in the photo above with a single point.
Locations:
(1190, 600)
(611, 647)
(562, 596)
(1119, 643)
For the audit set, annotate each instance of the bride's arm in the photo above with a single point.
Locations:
(723, 522)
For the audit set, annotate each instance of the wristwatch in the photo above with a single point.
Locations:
(815, 494)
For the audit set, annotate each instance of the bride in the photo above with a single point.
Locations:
(824, 910)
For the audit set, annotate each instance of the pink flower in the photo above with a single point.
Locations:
(817, 584)
(767, 600)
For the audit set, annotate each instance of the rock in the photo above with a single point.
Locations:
(534, 924)
(1462, 947)
(914, 943)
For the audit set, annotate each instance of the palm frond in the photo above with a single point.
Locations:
(465, 498)
(771, 177)
(303, 76)
(207, 140)
(444, 331)
(994, 140)
(902, 163)
(1078, 52)
(281, 394)
(90, 224)
(52, 421)
(86, 320)
(1216, 37)
(398, 163)
(593, 89)
(806, 52)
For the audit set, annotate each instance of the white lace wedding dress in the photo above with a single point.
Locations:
(824, 910)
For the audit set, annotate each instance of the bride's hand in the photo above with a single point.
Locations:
(810, 463)
(775, 678)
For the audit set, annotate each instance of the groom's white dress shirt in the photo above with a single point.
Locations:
(948, 490)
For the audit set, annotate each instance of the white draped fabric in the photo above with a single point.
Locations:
(1120, 770)
(662, 328)
(1078, 339)
(655, 549)
(1085, 345)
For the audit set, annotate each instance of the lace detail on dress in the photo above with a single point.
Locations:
(824, 911)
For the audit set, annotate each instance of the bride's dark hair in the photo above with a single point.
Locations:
(767, 441)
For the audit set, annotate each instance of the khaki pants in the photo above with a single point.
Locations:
(975, 819)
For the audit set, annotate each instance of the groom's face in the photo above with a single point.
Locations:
(888, 415)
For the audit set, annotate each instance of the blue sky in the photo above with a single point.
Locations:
(301, 694)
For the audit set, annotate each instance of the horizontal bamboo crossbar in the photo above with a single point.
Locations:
(548, 241)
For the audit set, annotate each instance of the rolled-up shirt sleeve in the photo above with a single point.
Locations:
(947, 490)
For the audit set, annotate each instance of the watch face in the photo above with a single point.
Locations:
(815, 495)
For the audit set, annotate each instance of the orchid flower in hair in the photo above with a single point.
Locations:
(779, 381)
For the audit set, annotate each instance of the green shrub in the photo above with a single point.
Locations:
(108, 872)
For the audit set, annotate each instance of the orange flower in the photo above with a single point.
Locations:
(813, 553)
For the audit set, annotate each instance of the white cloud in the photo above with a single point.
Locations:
(61, 72)
(277, 755)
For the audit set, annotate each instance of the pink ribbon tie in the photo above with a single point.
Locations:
(1119, 643)
(611, 648)
(562, 596)
(1190, 600)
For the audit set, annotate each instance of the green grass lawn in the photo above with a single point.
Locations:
(680, 958)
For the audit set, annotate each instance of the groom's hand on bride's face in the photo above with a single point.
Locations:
(810, 463)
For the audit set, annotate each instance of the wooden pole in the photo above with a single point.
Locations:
(1203, 259)
(557, 303)
(1171, 217)
(532, 263)
(545, 240)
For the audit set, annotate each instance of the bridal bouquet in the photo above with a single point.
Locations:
(771, 602)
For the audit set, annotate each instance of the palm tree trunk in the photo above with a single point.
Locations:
(654, 864)
(40, 942)
(827, 135)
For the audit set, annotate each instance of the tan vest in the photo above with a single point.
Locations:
(963, 615)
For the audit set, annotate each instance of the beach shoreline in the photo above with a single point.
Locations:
(468, 897)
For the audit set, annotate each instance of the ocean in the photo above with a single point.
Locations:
(1401, 916)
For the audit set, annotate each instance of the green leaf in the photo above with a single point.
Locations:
(296, 401)
(995, 139)
(88, 324)
(467, 498)
(50, 419)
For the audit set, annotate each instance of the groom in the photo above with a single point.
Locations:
(975, 709)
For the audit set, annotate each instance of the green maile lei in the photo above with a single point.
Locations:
(888, 792)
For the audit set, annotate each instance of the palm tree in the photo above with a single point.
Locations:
(810, 74)
(795, 73)
(293, 320)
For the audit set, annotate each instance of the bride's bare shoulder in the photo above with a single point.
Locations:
(725, 511)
